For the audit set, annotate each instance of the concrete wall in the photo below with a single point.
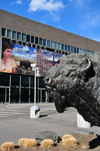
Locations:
(27, 26)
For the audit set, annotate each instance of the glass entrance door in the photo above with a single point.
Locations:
(4, 94)
(24, 95)
(14, 95)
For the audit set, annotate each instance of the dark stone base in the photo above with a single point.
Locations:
(40, 136)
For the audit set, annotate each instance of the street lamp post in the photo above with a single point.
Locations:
(35, 110)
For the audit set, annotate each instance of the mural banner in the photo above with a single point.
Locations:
(17, 58)
(47, 59)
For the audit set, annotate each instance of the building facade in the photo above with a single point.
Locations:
(19, 88)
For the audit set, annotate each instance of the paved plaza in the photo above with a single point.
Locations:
(15, 121)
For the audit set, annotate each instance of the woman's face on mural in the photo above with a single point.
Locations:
(7, 53)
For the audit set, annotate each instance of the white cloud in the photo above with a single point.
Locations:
(55, 17)
(50, 5)
(80, 2)
(34, 50)
(51, 16)
(91, 20)
(16, 49)
(26, 49)
(18, 2)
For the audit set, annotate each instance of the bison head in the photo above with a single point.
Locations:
(75, 82)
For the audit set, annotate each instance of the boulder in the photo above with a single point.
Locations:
(40, 136)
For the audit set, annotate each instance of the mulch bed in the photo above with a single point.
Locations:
(85, 142)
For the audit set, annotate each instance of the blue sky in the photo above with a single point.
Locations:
(81, 17)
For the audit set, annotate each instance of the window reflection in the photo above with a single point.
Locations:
(52, 44)
(32, 39)
(48, 43)
(74, 49)
(8, 33)
(66, 47)
(13, 81)
(40, 41)
(18, 36)
(71, 48)
(28, 38)
(62, 46)
(77, 50)
(24, 81)
(3, 31)
(44, 42)
(23, 37)
(36, 40)
(4, 80)
(59, 46)
(14, 34)
(55, 45)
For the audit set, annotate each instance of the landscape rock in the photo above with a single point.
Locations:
(40, 136)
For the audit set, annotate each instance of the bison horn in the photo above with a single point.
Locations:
(89, 65)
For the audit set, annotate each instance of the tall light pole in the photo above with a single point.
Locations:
(34, 112)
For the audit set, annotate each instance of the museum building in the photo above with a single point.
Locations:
(25, 33)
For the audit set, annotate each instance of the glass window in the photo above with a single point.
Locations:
(83, 51)
(62, 46)
(4, 80)
(59, 46)
(4, 32)
(13, 81)
(55, 45)
(14, 34)
(8, 33)
(48, 43)
(69, 48)
(25, 81)
(24, 95)
(89, 52)
(18, 36)
(32, 39)
(32, 82)
(41, 82)
(77, 50)
(40, 41)
(23, 37)
(86, 51)
(28, 38)
(80, 50)
(66, 47)
(44, 42)
(74, 49)
(36, 40)
(52, 44)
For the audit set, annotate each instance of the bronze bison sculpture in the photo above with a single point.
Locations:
(75, 82)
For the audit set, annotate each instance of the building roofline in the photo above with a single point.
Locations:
(50, 26)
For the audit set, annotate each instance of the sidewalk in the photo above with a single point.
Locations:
(3, 105)
(18, 125)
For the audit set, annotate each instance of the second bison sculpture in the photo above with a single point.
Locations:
(75, 82)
